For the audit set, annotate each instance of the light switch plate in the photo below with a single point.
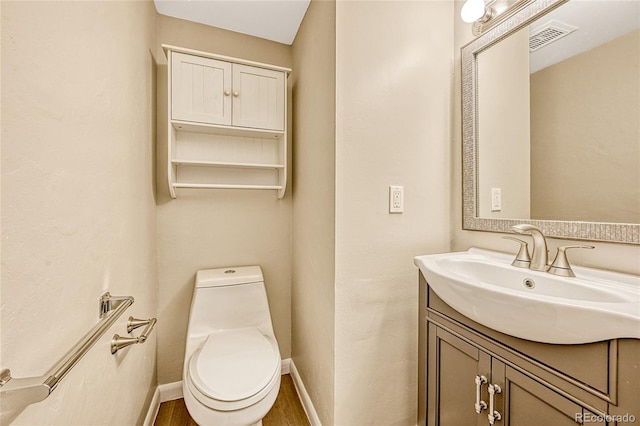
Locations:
(496, 199)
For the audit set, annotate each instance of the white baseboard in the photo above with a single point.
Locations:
(304, 397)
(171, 391)
(154, 407)
(163, 393)
(285, 366)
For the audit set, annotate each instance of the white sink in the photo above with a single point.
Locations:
(594, 305)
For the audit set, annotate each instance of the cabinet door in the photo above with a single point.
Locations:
(258, 98)
(453, 365)
(200, 89)
(527, 402)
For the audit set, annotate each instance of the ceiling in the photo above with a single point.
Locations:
(275, 20)
(597, 22)
(279, 20)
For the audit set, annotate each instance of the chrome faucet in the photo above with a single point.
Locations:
(539, 257)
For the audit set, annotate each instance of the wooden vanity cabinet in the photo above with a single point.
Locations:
(539, 384)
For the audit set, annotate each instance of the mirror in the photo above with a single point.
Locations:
(551, 121)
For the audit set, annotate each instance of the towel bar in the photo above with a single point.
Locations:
(19, 392)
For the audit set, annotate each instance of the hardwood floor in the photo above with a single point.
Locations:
(174, 413)
(286, 411)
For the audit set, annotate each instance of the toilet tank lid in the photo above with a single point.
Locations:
(228, 276)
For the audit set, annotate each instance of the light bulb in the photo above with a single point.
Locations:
(472, 10)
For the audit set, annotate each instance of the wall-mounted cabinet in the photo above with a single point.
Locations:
(227, 122)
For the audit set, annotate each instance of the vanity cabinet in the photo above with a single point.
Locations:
(466, 372)
(461, 363)
(227, 124)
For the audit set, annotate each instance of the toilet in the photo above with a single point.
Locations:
(232, 362)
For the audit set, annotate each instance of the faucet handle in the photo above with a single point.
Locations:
(522, 260)
(560, 265)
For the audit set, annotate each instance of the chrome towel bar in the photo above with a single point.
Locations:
(119, 342)
(19, 392)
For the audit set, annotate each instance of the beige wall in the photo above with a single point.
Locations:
(78, 208)
(393, 86)
(503, 117)
(596, 94)
(313, 292)
(216, 228)
(355, 287)
(620, 257)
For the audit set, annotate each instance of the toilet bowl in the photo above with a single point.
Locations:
(232, 363)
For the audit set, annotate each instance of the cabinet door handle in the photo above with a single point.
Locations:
(227, 93)
(480, 405)
(236, 94)
(493, 415)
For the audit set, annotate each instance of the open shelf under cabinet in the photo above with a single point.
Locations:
(226, 164)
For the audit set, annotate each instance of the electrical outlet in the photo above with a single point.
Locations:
(396, 199)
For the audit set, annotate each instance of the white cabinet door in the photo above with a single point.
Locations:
(200, 89)
(258, 98)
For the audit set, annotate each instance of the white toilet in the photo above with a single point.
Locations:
(232, 361)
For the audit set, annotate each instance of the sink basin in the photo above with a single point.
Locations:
(594, 305)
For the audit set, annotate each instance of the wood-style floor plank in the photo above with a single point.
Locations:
(174, 413)
(286, 411)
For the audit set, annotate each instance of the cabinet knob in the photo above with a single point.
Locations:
(236, 94)
(227, 93)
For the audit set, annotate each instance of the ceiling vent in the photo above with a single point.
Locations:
(548, 33)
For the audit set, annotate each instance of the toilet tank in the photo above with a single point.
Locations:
(229, 298)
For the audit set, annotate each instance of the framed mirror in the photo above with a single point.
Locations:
(551, 121)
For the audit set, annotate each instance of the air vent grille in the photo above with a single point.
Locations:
(548, 33)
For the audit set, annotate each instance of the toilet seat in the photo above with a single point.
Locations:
(234, 368)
